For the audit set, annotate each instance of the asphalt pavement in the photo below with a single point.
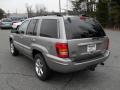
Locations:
(17, 73)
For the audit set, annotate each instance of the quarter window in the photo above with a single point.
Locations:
(49, 28)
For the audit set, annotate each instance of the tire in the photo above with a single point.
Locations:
(17, 27)
(13, 50)
(1, 28)
(41, 68)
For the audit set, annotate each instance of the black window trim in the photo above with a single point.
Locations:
(36, 27)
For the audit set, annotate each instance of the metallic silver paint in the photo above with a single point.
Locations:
(77, 47)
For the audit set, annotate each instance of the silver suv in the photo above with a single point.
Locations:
(60, 43)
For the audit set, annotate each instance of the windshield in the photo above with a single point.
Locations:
(76, 28)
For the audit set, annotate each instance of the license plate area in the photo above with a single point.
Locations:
(91, 48)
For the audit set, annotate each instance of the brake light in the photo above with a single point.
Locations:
(82, 18)
(62, 50)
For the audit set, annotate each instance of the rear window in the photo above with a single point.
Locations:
(76, 28)
(6, 20)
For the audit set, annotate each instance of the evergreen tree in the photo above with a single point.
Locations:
(1, 13)
(115, 12)
(76, 6)
(102, 14)
(107, 11)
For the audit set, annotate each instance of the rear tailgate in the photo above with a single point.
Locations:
(87, 48)
(86, 38)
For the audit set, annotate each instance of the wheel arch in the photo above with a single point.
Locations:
(11, 38)
(38, 49)
(35, 51)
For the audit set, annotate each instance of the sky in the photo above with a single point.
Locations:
(19, 5)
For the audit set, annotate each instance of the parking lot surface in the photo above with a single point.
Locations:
(17, 73)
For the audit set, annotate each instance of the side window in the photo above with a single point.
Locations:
(32, 27)
(49, 28)
(22, 29)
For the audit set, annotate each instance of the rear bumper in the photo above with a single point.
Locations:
(6, 26)
(66, 65)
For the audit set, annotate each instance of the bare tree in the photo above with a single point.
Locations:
(29, 10)
(40, 10)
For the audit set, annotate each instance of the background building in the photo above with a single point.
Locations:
(88, 6)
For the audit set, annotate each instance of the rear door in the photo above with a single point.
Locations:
(86, 38)
(30, 36)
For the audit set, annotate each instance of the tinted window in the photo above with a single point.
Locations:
(76, 28)
(31, 27)
(49, 28)
(23, 27)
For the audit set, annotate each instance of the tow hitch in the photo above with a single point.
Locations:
(92, 68)
(102, 64)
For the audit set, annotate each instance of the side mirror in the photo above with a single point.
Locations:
(15, 31)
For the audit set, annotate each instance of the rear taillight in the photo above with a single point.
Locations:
(62, 50)
(83, 18)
